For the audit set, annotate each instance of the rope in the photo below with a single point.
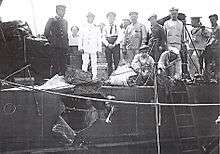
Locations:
(20, 86)
(189, 105)
(18, 71)
(197, 54)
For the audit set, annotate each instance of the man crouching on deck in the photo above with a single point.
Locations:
(143, 65)
(169, 64)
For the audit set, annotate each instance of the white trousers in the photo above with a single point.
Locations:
(178, 46)
(194, 66)
(86, 60)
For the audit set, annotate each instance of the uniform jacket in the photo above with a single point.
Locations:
(56, 32)
(90, 39)
(174, 31)
(135, 36)
(158, 32)
(215, 37)
(200, 38)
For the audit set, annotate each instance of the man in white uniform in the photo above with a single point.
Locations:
(174, 30)
(90, 44)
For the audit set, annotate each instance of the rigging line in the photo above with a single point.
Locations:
(190, 105)
(23, 87)
(197, 54)
(34, 17)
(201, 26)
(30, 77)
(34, 96)
(156, 101)
(18, 71)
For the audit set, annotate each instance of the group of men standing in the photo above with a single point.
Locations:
(165, 43)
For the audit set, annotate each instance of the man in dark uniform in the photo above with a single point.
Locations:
(213, 47)
(56, 33)
(158, 36)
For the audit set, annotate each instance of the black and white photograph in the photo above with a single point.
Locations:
(109, 77)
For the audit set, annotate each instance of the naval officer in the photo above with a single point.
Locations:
(89, 44)
(56, 33)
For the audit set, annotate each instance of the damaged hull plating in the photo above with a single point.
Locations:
(27, 120)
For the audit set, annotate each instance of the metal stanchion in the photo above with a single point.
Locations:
(156, 101)
(196, 51)
(157, 110)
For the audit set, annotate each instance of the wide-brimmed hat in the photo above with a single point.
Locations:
(90, 14)
(181, 16)
(133, 13)
(111, 13)
(195, 18)
(173, 50)
(214, 15)
(60, 7)
(152, 16)
(144, 48)
(174, 9)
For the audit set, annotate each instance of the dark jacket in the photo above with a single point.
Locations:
(157, 32)
(56, 32)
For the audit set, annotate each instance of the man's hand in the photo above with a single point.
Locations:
(81, 51)
(124, 51)
(159, 71)
(145, 73)
(111, 46)
(203, 28)
(47, 44)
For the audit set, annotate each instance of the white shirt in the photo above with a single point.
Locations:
(90, 39)
(174, 31)
(73, 40)
(116, 31)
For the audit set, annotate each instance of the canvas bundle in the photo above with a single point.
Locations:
(14, 29)
(76, 76)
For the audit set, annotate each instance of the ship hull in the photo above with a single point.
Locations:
(132, 127)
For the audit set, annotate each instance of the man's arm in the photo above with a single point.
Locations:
(205, 33)
(135, 63)
(125, 41)
(47, 30)
(144, 34)
(217, 36)
(161, 62)
(178, 70)
(165, 31)
(182, 34)
(99, 40)
(163, 37)
(104, 34)
(81, 40)
(66, 31)
(120, 36)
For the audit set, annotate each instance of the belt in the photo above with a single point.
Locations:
(175, 43)
(111, 39)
